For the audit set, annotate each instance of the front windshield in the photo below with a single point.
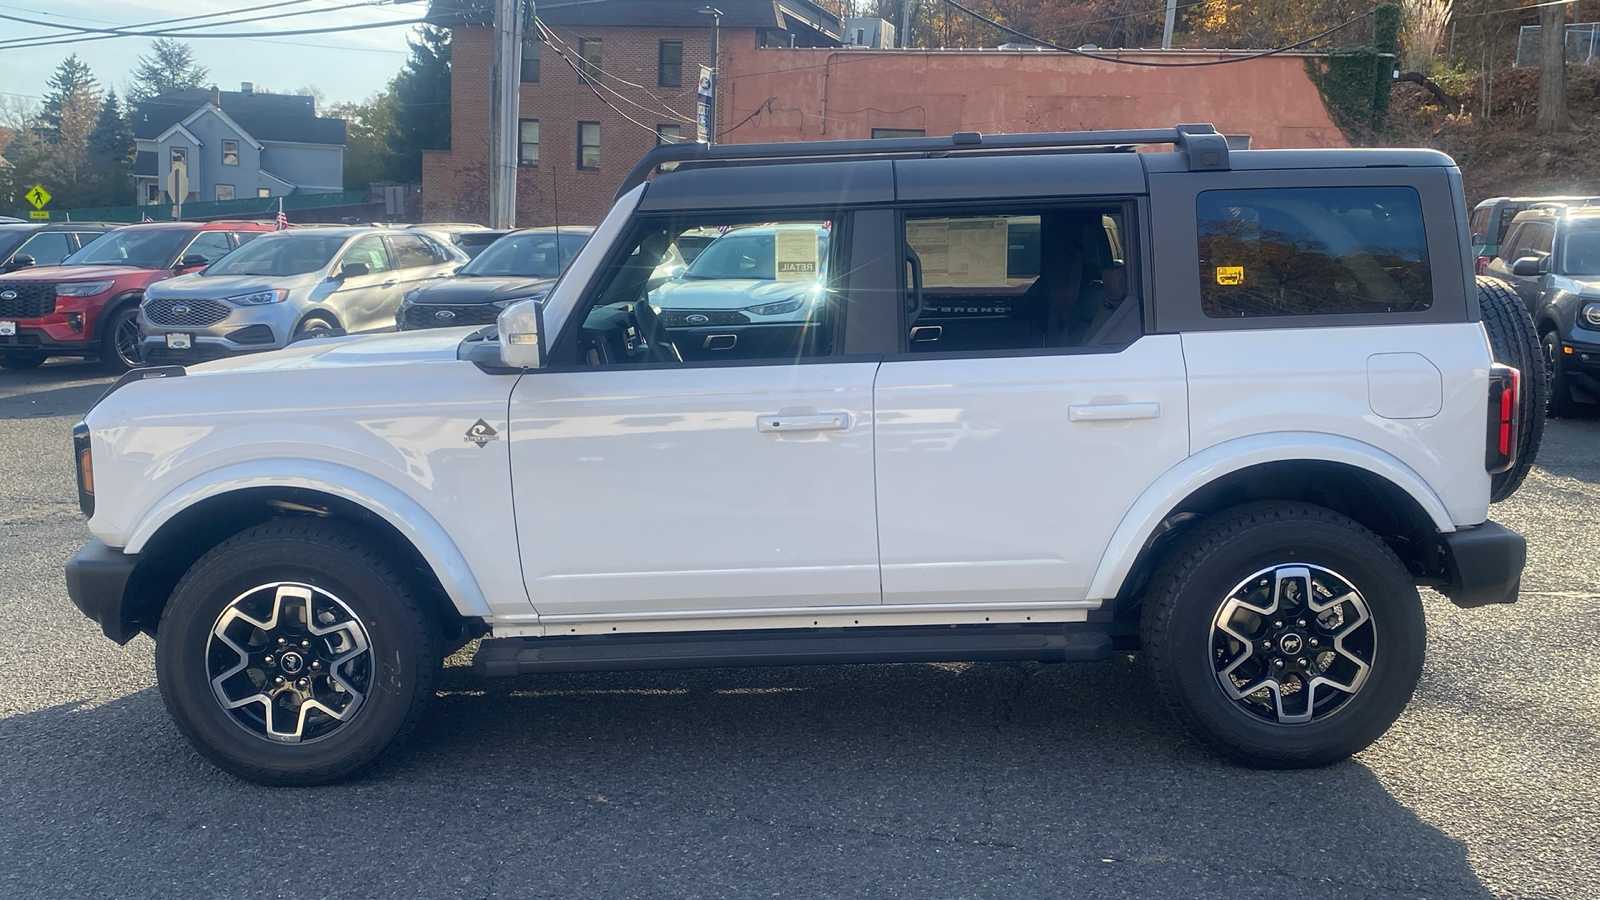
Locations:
(527, 255)
(280, 255)
(744, 254)
(141, 248)
(11, 237)
(1580, 252)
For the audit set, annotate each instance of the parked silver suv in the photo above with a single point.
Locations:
(294, 284)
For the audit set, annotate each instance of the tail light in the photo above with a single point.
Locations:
(80, 453)
(1483, 264)
(1505, 407)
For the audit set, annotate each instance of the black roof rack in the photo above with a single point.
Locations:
(1207, 150)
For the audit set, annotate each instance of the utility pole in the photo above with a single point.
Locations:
(505, 92)
(905, 23)
(716, 79)
(1172, 19)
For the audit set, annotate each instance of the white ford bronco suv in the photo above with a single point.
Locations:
(1028, 397)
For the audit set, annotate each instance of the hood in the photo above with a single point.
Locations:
(1582, 285)
(470, 290)
(196, 286)
(77, 273)
(731, 293)
(395, 348)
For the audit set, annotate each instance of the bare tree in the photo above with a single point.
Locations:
(1552, 70)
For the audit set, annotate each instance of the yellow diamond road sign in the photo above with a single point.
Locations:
(38, 196)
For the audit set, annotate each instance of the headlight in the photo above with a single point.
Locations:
(775, 309)
(1591, 314)
(259, 298)
(83, 288)
(502, 304)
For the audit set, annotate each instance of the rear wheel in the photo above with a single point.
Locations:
(1515, 343)
(294, 653)
(1284, 635)
(22, 359)
(121, 340)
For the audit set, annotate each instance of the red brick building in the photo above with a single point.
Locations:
(611, 80)
(785, 77)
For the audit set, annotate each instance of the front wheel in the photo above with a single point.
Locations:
(293, 653)
(1561, 403)
(1284, 635)
(121, 342)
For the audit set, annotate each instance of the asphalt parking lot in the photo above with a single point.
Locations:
(1004, 781)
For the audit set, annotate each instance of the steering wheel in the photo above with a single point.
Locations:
(660, 348)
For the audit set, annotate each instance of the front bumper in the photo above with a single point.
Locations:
(43, 340)
(244, 330)
(1484, 564)
(97, 582)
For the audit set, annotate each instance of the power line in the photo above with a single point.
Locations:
(53, 37)
(1161, 65)
(665, 106)
(331, 29)
(598, 96)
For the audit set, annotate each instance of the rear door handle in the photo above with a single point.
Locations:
(1113, 412)
(785, 424)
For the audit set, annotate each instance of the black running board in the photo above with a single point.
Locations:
(799, 647)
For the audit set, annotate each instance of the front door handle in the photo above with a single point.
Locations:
(1113, 412)
(390, 283)
(783, 424)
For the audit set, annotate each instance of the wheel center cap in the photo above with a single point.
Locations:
(291, 663)
(1291, 643)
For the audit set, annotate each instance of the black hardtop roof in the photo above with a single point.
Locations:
(992, 165)
(966, 166)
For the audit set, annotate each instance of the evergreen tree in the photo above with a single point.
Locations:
(111, 154)
(169, 67)
(72, 88)
(422, 115)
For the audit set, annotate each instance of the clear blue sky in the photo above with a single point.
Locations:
(345, 66)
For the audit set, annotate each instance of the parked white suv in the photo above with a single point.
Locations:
(1227, 407)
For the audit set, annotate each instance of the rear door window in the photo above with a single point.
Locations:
(411, 251)
(1313, 251)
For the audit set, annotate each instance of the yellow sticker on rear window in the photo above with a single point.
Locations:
(1230, 274)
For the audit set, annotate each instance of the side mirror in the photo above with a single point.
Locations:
(193, 261)
(1529, 265)
(352, 270)
(521, 327)
(20, 261)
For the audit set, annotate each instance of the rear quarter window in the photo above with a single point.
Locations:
(1312, 251)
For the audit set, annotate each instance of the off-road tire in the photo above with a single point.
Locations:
(342, 561)
(1219, 555)
(1514, 342)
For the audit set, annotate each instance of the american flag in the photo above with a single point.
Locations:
(147, 218)
(283, 220)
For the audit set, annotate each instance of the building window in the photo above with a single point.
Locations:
(588, 145)
(528, 142)
(263, 192)
(230, 153)
(878, 133)
(152, 193)
(669, 65)
(180, 155)
(589, 49)
(224, 192)
(530, 61)
(669, 134)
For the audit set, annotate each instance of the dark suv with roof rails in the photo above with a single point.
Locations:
(25, 244)
(1008, 397)
(1551, 258)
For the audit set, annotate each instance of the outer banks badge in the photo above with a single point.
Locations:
(481, 433)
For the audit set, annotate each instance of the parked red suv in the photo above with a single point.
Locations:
(89, 304)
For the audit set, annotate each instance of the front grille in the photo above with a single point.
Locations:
(186, 313)
(29, 301)
(428, 316)
(699, 318)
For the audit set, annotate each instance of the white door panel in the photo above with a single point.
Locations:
(1002, 479)
(669, 489)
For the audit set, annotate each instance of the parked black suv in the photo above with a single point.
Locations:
(519, 266)
(24, 244)
(1551, 257)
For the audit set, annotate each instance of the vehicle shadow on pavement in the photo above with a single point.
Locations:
(992, 780)
(66, 389)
